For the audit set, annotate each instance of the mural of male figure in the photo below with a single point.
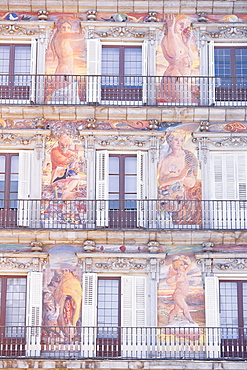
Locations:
(64, 171)
(177, 277)
(176, 48)
(68, 296)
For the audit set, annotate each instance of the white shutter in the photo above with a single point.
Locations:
(212, 316)
(34, 313)
(89, 312)
(133, 301)
(33, 70)
(211, 74)
(24, 187)
(141, 189)
(144, 70)
(102, 165)
(93, 69)
(133, 315)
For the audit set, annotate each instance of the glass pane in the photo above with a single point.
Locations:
(130, 165)
(2, 163)
(15, 306)
(114, 165)
(15, 164)
(4, 60)
(222, 62)
(130, 184)
(110, 61)
(113, 183)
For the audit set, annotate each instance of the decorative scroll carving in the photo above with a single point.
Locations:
(120, 32)
(120, 264)
(230, 141)
(234, 264)
(13, 263)
(225, 32)
(10, 29)
(122, 140)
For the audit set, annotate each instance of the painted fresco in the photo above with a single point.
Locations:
(179, 178)
(177, 56)
(118, 17)
(62, 296)
(64, 178)
(65, 57)
(181, 299)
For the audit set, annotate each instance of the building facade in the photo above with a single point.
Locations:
(123, 174)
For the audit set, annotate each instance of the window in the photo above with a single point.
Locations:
(121, 71)
(120, 184)
(15, 64)
(108, 316)
(233, 317)
(231, 73)
(229, 187)
(123, 189)
(12, 314)
(9, 170)
(117, 306)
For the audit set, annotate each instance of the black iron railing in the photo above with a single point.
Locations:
(192, 342)
(123, 90)
(150, 214)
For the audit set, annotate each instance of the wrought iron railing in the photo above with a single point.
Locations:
(192, 342)
(150, 214)
(123, 90)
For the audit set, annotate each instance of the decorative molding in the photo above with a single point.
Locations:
(235, 264)
(229, 32)
(122, 140)
(35, 264)
(232, 141)
(89, 245)
(120, 32)
(120, 264)
(153, 246)
(16, 29)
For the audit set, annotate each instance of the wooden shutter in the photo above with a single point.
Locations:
(89, 312)
(212, 316)
(211, 73)
(24, 187)
(133, 303)
(93, 69)
(102, 171)
(141, 189)
(133, 314)
(144, 70)
(34, 85)
(34, 313)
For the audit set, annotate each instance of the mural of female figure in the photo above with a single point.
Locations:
(176, 48)
(177, 276)
(62, 46)
(178, 170)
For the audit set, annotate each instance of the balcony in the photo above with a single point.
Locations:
(123, 90)
(146, 214)
(156, 343)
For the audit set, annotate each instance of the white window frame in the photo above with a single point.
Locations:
(102, 164)
(94, 57)
(33, 66)
(211, 69)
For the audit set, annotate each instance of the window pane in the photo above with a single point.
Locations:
(130, 165)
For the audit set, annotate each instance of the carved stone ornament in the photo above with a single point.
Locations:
(152, 17)
(153, 246)
(35, 264)
(120, 264)
(120, 32)
(91, 15)
(235, 264)
(225, 32)
(36, 246)
(122, 140)
(15, 29)
(89, 245)
(91, 123)
(42, 15)
(153, 124)
(207, 246)
(204, 126)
